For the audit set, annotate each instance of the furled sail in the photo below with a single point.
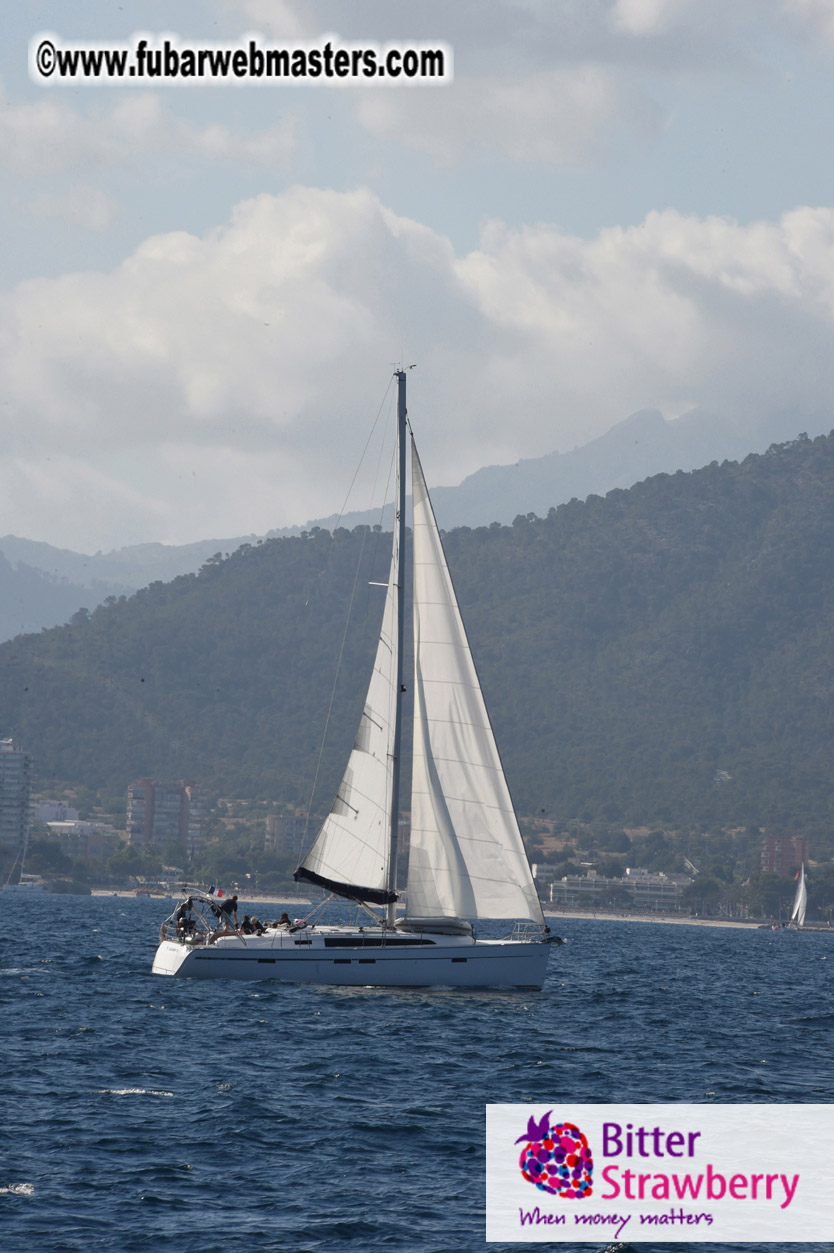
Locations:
(467, 858)
(800, 903)
(350, 854)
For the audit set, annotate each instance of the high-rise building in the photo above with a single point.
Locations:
(284, 834)
(194, 819)
(139, 813)
(782, 854)
(165, 813)
(15, 804)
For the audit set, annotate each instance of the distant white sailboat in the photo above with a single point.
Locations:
(800, 901)
(26, 883)
(467, 861)
(18, 880)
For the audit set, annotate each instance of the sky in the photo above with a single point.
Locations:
(205, 288)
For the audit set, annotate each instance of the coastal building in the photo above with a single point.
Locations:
(15, 801)
(638, 889)
(83, 840)
(654, 891)
(166, 813)
(284, 834)
(783, 854)
(55, 811)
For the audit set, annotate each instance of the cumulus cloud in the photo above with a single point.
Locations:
(223, 383)
(554, 84)
(552, 117)
(534, 86)
(541, 82)
(49, 135)
(675, 312)
(264, 336)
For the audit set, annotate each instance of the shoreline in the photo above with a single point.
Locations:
(261, 899)
(657, 918)
(565, 916)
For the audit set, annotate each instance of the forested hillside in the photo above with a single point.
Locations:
(663, 655)
(31, 598)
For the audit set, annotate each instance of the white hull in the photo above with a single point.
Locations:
(352, 959)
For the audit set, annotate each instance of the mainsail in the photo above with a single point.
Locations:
(467, 858)
(800, 903)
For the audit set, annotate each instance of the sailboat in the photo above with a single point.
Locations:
(800, 901)
(467, 862)
(18, 880)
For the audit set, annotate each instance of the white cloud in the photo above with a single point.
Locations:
(549, 83)
(673, 312)
(49, 135)
(223, 384)
(262, 336)
(553, 116)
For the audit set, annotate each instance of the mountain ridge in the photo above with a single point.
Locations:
(643, 444)
(657, 656)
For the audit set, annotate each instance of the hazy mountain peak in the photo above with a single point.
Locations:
(642, 444)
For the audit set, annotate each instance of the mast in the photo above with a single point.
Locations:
(399, 523)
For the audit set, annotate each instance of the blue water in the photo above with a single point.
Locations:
(142, 1112)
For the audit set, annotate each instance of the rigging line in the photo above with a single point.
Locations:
(378, 534)
(304, 846)
(364, 451)
(349, 492)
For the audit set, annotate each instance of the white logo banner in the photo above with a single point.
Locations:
(659, 1173)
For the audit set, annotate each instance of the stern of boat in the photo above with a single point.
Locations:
(169, 957)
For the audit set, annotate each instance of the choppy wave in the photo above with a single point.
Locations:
(211, 1116)
(132, 1092)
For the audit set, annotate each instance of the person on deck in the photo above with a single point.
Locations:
(184, 923)
(226, 910)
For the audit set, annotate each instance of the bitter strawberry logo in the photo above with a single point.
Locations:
(556, 1158)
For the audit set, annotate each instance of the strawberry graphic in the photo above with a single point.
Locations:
(556, 1158)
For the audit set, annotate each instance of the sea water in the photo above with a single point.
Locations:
(142, 1112)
